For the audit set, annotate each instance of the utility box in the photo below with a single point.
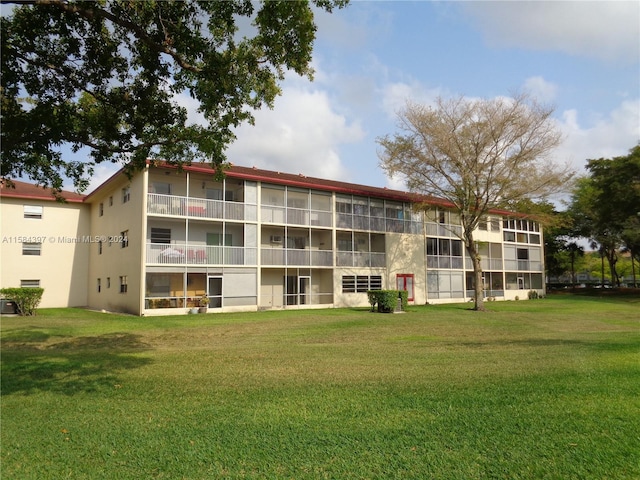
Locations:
(8, 307)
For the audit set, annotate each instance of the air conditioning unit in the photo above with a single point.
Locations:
(275, 239)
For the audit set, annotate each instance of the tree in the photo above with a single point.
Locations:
(605, 207)
(105, 75)
(478, 155)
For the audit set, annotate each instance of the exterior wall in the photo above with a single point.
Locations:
(357, 299)
(115, 261)
(406, 256)
(63, 264)
(253, 244)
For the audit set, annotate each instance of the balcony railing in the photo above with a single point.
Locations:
(443, 230)
(523, 265)
(436, 261)
(199, 207)
(360, 259)
(296, 257)
(189, 254)
(296, 216)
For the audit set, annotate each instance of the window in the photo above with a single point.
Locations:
(100, 247)
(432, 246)
(343, 204)
(31, 248)
(483, 224)
(495, 224)
(163, 188)
(509, 236)
(99, 285)
(124, 239)
(33, 211)
(29, 283)
(375, 282)
(108, 282)
(160, 235)
(101, 209)
(361, 283)
(111, 201)
(348, 284)
(123, 284)
(126, 194)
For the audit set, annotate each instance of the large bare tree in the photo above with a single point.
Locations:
(477, 154)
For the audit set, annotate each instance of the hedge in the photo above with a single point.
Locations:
(27, 298)
(387, 299)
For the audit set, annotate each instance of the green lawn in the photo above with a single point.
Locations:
(544, 389)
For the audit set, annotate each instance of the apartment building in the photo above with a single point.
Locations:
(43, 244)
(258, 239)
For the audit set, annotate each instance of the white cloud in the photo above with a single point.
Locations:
(395, 96)
(608, 30)
(606, 137)
(101, 173)
(540, 89)
(302, 134)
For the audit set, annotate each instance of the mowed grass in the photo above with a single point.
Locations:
(544, 389)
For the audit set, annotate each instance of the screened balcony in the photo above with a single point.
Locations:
(197, 254)
(296, 257)
(159, 204)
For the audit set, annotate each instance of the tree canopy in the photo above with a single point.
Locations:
(605, 206)
(106, 75)
(478, 155)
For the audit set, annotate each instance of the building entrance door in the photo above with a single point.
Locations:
(405, 281)
(214, 291)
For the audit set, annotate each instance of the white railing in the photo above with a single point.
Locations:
(523, 265)
(193, 254)
(272, 300)
(436, 261)
(198, 207)
(360, 259)
(296, 216)
(297, 257)
(490, 264)
(443, 230)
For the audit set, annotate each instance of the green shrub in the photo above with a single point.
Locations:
(387, 299)
(27, 299)
(533, 295)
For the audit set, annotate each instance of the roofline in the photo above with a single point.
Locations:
(304, 182)
(104, 184)
(347, 188)
(47, 193)
(41, 197)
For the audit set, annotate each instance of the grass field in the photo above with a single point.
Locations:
(544, 389)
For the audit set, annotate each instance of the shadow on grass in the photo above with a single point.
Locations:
(32, 363)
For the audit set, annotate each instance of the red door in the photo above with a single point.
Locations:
(404, 281)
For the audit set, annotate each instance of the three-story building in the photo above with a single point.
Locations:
(260, 239)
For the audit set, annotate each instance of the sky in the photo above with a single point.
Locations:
(371, 57)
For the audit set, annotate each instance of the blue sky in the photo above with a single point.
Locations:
(370, 57)
(581, 57)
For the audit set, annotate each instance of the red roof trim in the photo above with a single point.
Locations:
(30, 191)
(293, 180)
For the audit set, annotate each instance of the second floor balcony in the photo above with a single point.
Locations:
(296, 257)
(173, 205)
(197, 254)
